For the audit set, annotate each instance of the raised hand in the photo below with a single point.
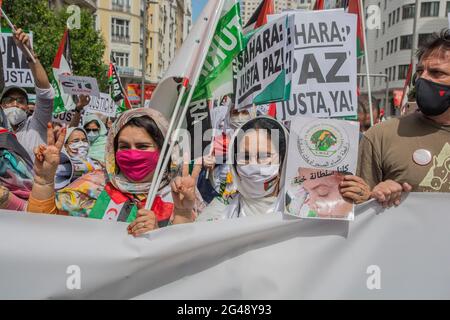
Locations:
(22, 40)
(183, 189)
(83, 101)
(47, 156)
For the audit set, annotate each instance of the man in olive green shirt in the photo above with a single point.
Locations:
(412, 153)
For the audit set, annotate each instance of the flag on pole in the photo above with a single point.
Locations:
(118, 94)
(404, 99)
(259, 17)
(354, 7)
(319, 5)
(62, 65)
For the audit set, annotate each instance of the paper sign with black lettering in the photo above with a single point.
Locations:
(75, 85)
(104, 105)
(324, 67)
(65, 118)
(321, 153)
(261, 74)
(16, 71)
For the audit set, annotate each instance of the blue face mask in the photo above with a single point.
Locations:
(92, 136)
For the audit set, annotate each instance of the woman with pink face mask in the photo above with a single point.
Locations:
(119, 193)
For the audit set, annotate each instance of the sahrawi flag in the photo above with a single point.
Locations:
(354, 7)
(259, 17)
(118, 94)
(62, 64)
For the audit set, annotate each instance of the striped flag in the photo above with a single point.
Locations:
(259, 17)
(354, 7)
(118, 94)
(319, 5)
(62, 64)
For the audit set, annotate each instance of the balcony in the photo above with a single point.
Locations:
(121, 39)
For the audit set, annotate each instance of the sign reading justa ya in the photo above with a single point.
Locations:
(324, 67)
(261, 74)
(16, 71)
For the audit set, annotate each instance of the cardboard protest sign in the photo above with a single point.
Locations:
(261, 74)
(324, 67)
(75, 85)
(104, 105)
(65, 118)
(16, 71)
(320, 153)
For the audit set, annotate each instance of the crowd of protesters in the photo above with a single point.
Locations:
(100, 169)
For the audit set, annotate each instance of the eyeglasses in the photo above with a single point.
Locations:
(10, 100)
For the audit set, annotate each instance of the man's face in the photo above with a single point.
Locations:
(15, 99)
(435, 67)
(365, 120)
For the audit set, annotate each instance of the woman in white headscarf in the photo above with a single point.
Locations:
(257, 157)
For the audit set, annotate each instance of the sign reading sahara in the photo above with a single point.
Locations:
(261, 74)
(15, 66)
(324, 71)
(104, 105)
(321, 152)
(75, 85)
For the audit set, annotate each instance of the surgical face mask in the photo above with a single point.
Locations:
(79, 149)
(93, 135)
(238, 120)
(257, 180)
(433, 99)
(15, 115)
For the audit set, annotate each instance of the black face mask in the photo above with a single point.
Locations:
(432, 98)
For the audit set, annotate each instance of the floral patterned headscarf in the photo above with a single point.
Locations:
(118, 180)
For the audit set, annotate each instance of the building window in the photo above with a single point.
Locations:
(403, 71)
(430, 9)
(406, 42)
(384, 27)
(121, 5)
(376, 56)
(396, 44)
(409, 11)
(398, 15)
(120, 30)
(382, 53)
(388, 47)
(122, 58)
(390, 19)
(393, 17)
(423, 37)
(447, 10)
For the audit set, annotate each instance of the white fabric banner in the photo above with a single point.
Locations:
(402, 251)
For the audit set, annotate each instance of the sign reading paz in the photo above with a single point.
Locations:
(75, 85)
(15, 66)
(261, 74)
(324, 67)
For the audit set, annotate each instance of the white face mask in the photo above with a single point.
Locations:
(79, 149)
(237, 121)
(257, 180)
(15, 115)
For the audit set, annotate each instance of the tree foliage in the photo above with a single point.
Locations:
(47, 25)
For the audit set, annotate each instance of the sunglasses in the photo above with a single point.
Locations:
(9, 100)
(92, 130)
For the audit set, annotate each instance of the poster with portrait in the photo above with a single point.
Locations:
(320, 153)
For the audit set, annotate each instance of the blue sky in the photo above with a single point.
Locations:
(197, 6)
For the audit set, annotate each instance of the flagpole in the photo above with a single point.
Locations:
(160, 173)
(366, 59)
(27, 50)
(414, 39)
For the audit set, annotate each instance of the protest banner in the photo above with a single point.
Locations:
(324, 68)
(320, 153)
(16, 71)
(270, 257)
(261, 74)
(103, 104)
(75, 85)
